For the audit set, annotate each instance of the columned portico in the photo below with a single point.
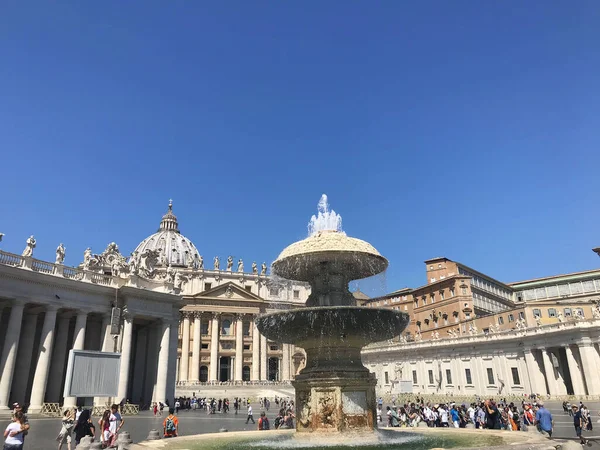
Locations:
(286, 363)
(255, 353)
(59, 358)
(40, 379)
(264, 359)
(549, 371)
(589, 359)
(536, 377)
(9, 352)
(196, 349)
(125, 355)
(78, 344)
(25, 358)
(185, 347)
(575, 372)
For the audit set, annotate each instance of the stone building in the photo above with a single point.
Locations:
(172, 305)
(472, 334)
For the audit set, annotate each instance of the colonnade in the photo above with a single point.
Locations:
(249, 364)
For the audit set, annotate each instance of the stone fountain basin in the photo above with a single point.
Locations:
(345, 325)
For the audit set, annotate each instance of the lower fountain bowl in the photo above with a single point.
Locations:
(358, 325)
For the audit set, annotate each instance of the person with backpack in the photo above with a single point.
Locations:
(263, 422)
(171, 424)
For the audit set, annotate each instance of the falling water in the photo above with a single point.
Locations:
(325, 220)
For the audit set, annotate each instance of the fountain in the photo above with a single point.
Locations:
(334, 391)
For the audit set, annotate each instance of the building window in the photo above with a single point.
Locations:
(296, 294)
(387, 378)
(204, 327)
(500, 320)
(521, 315)
(432, 298)
(245, 373)
(567, 312)
(203, 374)
(486, 331)
(246, 329)
(441, 295)
(246, 346)
(537, 313)
(430, 372)
(226, 327)
(452, 292)
(448, 376)
(273, 347)
(274, 291)
(248, 288)
(415, 381)
(515, 375)
(511, 318)
(579, 312)
(416, 303)
(551, 312)
(468, 376)
(490, 374)
(205, 346)
(207, 286)
(424, 300)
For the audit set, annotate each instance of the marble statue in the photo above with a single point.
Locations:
(560, 317)
(435, 335)
(538, 321)
(200, 262)
(240, 266)
(178, 280)
(170, 274)
(493, 328)
(60, 254)
(254, 267)
(133, 263)
(596, 312)
(191, 260)
(263, 269)
(473, 330)
(1, 236)
(87, 258)
(453, 334)
(402, 339)
(217, 263)
(229, 263)
(30, 245)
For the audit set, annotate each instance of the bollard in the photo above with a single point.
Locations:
(85, 443)
(96, 446)
(223, 430)
(153, 435)
(124, 441)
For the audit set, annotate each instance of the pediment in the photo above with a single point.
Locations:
(229, 291)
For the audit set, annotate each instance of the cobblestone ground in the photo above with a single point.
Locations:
(44, 431)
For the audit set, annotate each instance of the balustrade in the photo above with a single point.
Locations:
(10, 259)
(72, 273)
(42, 266)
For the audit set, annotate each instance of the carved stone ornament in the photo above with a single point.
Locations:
(229, 292)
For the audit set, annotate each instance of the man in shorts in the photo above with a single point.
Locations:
(578, 422)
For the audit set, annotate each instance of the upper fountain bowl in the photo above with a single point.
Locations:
(303, 260)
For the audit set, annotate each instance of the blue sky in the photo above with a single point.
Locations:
(462, 129)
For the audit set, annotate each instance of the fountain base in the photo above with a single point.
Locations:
(326, 403)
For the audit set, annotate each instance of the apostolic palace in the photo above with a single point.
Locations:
(186, 322)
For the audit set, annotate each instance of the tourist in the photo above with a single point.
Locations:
(455, 416)
(585, 413)
(579, 423)
(178, 405)
(492, 416)
(25, 420)
(84, 426)
(104, 423)
(116, 423)
(155, 409)
(395, 418)
(14, 434)
(67, 424)
(543, 420)
(171, 424)
(263, 422)
(250, 414)
(443, 415)
(288, 420)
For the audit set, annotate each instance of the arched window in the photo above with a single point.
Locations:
(226, 327)
(203, 373)
(246, 373)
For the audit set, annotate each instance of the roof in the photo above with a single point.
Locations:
(555, 277)
(360, 295)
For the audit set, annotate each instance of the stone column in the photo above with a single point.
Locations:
(534, 375)
(589, 361)
(264, 361)
(197, 348)
(239, 347)
(575, 372)
(9, 352)
(40, 379)
(255, 353)
(549, 370)
(57, 368)
(286, 363)
(125, 355)
(105, 337)
(184, 368)
(214, 348)
(78, 344)
(25, 357)
(163, 362)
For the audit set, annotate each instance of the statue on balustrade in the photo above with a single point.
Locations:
(254, 267)
(240, 265)
(229, 263)
(217, 263)
(179, 280)
(170, 274)
(1, 236)
(560, 317)
(87, 258)
(200, 262)
(263, 269)
(30, 245)
(133, 263)
(60, 254)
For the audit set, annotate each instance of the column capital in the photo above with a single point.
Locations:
(215, 314)
(127, 314)
(186, 314)
(52, 308)
(197, 315)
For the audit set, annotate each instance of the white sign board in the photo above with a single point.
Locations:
(92, 374)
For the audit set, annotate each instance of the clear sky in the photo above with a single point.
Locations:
(465, 129)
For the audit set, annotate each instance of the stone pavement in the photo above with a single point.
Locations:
(44, 430)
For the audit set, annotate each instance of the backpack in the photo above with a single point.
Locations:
(277, 421)
(170, 425)
(264, 425)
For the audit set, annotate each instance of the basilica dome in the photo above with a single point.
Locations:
(174, 248)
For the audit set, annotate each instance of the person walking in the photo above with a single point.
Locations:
(171, 424)
(14, 433)
(105, 428)
(84, 426)
(67, 424)
(250, 417)
(543, 420)
(579, 423)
